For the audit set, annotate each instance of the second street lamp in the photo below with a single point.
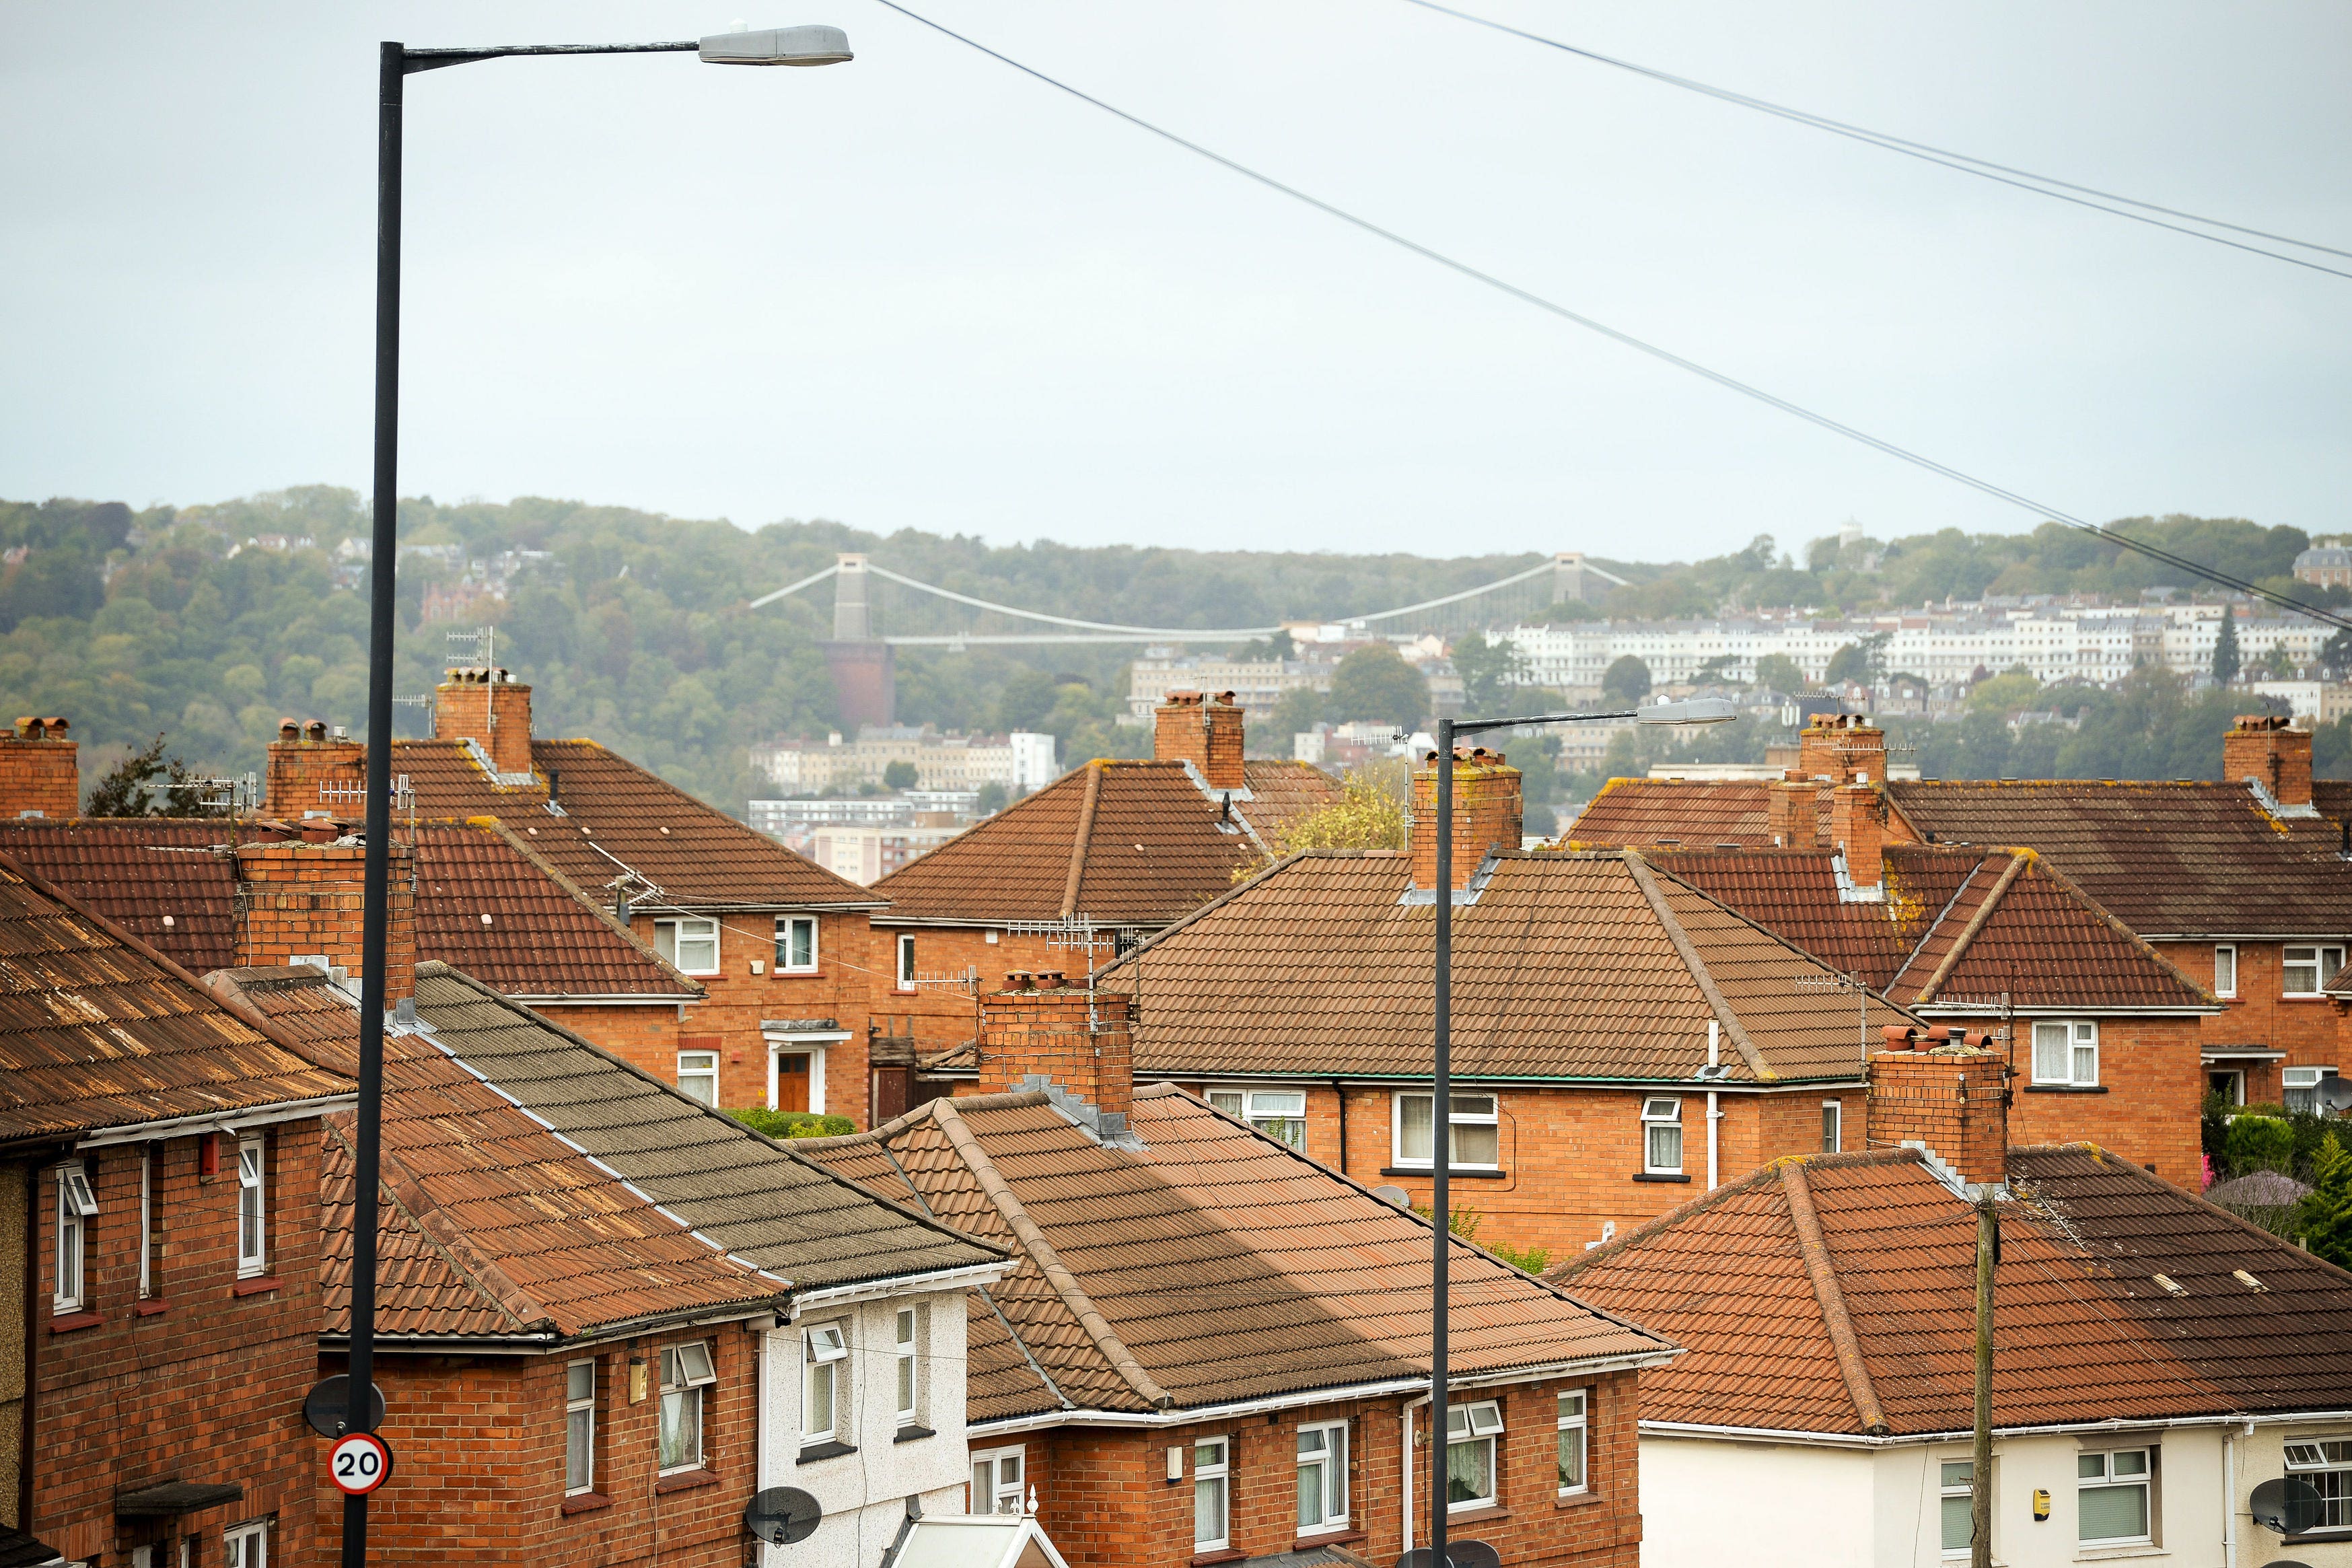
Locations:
(1698, 711)
(803, 46)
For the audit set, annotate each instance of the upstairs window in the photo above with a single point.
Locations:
(907, 1331)
(2307, 970)
(824, 1352)
(2225, 970)
(2066, 1052)
(906, 960)
(1574, 1438)
(697, 1076)
(579, 1428)
(795, 943)
(1323, 1477)
(685, 1371)
(1833, 1126)
(2327, 1466)
(1471, 1431)
(691, 945)
(1955, 1506)
(2113, 1495)
(1212, 1501)
(1472, 1125)
(77, 1206)
(146, 1221)
(1662, 1136)
(1279, 1113)
(252, 1209)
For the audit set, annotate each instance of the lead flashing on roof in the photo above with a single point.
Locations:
(1463, 896)
(2308, 810)
(1848, 893)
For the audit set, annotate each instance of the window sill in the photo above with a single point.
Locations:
(684, 1481)
(1584, 1498)
(1661, 1176)
(913, 1434)
(1221, 1554)
(811, 1455)
(74, 1322)
(2111, 1553)
(150, 1308)
(1486, 1515)
(260, 1285)
(1326, 1538)
(2065, 1089)
(586, 1503)
(1476, 1172)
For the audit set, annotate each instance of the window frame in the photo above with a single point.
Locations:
(254, 1535)
(906, 1326)
(688, 1384)
(1581, 1423)
(146, 1221)
(906, 965)
(675, 927)
(787, 926)
(2081, 1034)
(253, 1201)
(76, 1204)
(1653, 1121)
(1454, 1117)
(1218, 1472)
(1833, 1126)
(1332, 1482)
(2324, 1464)
(994, 1459)
(2303, 1096)
(825, 1352)
(1268, 1122)
(698, 1071)
(2225, 958)
(1474, 1433)
(2318, 963)
(1949, 1491)
(579, 1405)
(2144, 1483)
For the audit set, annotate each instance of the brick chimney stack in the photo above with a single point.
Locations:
(1793, 811)
(2265, 747)
(490, 707)
(1040, 1026)
(1840, 748)
(1858, 826)
(1952, 1099)
(1488, 813)
(315, 771)
(302, 900)
(40, 769)
(1205, 732)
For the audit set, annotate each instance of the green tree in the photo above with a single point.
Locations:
(1626, 681)
(991, 799)
(2226, 659)
(126, 788)
(2327, 1216)
(1779, 672)
(1860, 660)
(1375, 685)
(2336, 655)
(2259, 1143)
(1300, 710)
(1488, 670)
(901, 775)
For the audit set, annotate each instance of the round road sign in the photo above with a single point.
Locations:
(359, 1464)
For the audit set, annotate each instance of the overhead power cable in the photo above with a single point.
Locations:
(1983, 168)
(1796, 410)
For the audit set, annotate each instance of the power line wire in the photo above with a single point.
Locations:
(1902, 454)
(1983, 168)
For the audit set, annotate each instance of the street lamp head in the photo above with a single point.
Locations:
(809, 45)
(1693, 710)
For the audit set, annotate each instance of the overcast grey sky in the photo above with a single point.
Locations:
(921, 290)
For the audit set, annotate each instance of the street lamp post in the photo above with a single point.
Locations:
(804, 45)
(1698, 711)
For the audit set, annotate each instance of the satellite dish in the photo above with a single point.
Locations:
(2336, 1093)
(1460, 1554)
(330, 1401)
(782, 1515)
(2288, 1506)
(1396, 1195)
(2285, 1562)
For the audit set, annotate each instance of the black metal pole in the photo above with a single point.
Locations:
(384, 563)
(1441, 1115)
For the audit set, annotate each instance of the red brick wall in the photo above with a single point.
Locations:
(1080, 1041)
(1203, 731)
(849, 961)
(494, 714)
(1951, 1104)
(40, 774)
(1839, 745)
(205, 1386)
(645, 1037)
(478, 1445)
(2261, 746)
(1105, 1499)
(305, 898)
(2151, 1086)
(297, 767)
(1488, 812)
(943, 1016)
(2258, 1015)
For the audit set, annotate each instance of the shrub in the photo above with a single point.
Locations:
(2260, 1143)
(792, 1123)
(2327, 1213)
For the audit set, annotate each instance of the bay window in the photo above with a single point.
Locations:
(691, 945)
(1279, 1113)
(1473, 1130)
(2066, 1052)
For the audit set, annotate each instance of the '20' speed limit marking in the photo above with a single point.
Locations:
(359, 1464)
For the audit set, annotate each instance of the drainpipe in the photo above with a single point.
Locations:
(1714, 1115)
(2229, 1499)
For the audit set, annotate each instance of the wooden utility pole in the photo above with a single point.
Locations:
(1980, 1471)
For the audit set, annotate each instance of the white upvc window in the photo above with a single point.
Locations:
(1212, 1499)
(825, 1352)
(1279, 1113)
(1575, 1441)
(252, 1209)
(245, 1545)
(685, 1371)
(1662, 1136)
(1833, 1126)
(906, 960)
(1474, 1127)
(795, 945)
(2326, 1464)
(1471, 1431)
(1323, 1477)
(697, 1076)
(690, 943)
(2225, 969)
(2066, 1051)
(77, 1206)
(2299, 1087)
(1955, 1505)
(2115, 1496)
(996, 1476)
(907, 1325)
(579, 1427)
(2306, 971)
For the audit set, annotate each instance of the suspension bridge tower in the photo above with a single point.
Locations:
(864, 684)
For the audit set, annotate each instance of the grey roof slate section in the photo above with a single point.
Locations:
(758, 1198)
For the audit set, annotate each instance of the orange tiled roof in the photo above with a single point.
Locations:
(2087, 1332)
(495, 1227)
(615, 811)
(1222, 1265)
(1154, 846)
(1970, 923)
(98, 1030)
(1569, 965)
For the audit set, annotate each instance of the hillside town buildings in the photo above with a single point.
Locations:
(1017, 763)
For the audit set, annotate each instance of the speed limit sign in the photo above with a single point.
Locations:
(359, 1464)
